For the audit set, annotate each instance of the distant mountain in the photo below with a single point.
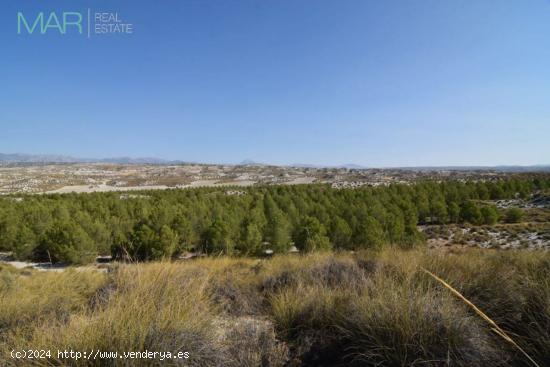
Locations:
(22, 158)
(250, 162)
(352, 166)
(145, 160)
(348, 166)
(304, 165)
(52, 158)
(30, 158)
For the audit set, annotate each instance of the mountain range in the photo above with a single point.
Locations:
(22, 158)
(54, 158)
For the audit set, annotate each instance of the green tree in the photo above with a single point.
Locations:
(489, 214)
(454, 212)
(217, 239)
(469, 212)
(278, 232)
(25, 243)
(66, 242)
(142, 239)
(369, 234)
(340, 233)
(251, 239)
(438, 209)
(164, 244)
(187, 237)
(312, 236)
(395, 228)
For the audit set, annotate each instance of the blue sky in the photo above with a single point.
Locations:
(376, 83)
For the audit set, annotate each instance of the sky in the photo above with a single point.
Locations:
(328, 82)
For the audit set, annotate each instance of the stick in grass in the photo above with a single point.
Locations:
(494, 326)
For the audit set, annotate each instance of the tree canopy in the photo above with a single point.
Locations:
(74, 228)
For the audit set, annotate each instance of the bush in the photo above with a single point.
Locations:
(489, 215)
(513, 215)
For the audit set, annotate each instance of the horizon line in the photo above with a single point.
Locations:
(69, 159)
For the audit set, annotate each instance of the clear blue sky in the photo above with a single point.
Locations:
(370, 82)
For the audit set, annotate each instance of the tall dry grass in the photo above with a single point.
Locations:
(366, 309)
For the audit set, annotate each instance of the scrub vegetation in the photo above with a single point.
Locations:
(364, 309)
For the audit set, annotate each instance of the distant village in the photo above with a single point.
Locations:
(103, 177)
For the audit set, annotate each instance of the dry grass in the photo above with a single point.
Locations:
(367, 309)
(497, 329)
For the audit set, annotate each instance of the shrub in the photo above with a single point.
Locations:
(513, 215)
(489, 215)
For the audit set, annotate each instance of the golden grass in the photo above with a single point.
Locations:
(494, 326)
(371, 308)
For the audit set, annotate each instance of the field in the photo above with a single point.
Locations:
(362, 309)
(104, 177)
